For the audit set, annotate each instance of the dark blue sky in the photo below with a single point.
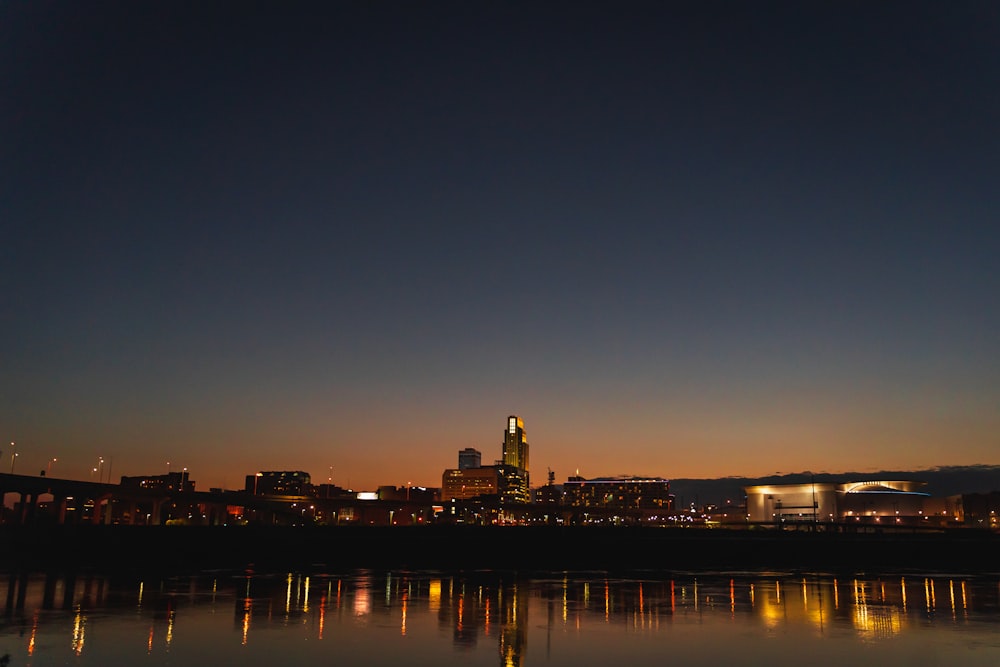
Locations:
(677, 238)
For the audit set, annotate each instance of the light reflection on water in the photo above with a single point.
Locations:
(495, 618)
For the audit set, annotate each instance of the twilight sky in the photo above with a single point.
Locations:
(687, 239)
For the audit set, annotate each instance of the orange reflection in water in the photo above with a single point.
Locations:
(872, 609)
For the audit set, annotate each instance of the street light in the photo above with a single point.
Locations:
(13, 460)
(48, 468)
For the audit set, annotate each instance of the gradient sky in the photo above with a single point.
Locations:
(686, 239)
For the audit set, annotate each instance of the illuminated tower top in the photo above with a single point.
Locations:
(515, 444)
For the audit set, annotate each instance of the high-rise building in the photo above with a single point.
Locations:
(469, 458)
(515, 444)
(507, 478)
(514, 467)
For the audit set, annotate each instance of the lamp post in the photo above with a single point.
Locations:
(13, 460)
(100, 469)
(48, 468)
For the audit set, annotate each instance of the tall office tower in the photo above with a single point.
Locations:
(515, 462)
(469, 458)
(515, 444)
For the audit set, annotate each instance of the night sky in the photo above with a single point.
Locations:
(685, 239)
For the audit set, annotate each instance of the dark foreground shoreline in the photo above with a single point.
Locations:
(188, 548)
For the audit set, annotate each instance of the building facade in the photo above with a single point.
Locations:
(466, 483)
(619, 493)
(885, 502)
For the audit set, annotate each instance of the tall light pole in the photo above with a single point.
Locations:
(48, 468)
(100, 469)
(13, 460)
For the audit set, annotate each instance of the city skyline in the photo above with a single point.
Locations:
(981, 477)
(348, 238)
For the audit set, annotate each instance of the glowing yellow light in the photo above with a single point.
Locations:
(402, 623)
(434, 595)
(34, 631)
(79, 631)
(170, 627)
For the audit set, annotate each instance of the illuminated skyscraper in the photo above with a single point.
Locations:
(514, 468)
(515, 444)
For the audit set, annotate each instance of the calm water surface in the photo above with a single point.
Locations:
(492, 618)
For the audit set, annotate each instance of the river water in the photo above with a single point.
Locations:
(575, 619)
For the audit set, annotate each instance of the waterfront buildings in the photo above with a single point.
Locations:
(621, 493)
(868, 501)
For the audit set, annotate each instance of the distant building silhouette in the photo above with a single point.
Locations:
(549, 494)
(416, 494)
(172, 481)
(279, 483)
(470, 458)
